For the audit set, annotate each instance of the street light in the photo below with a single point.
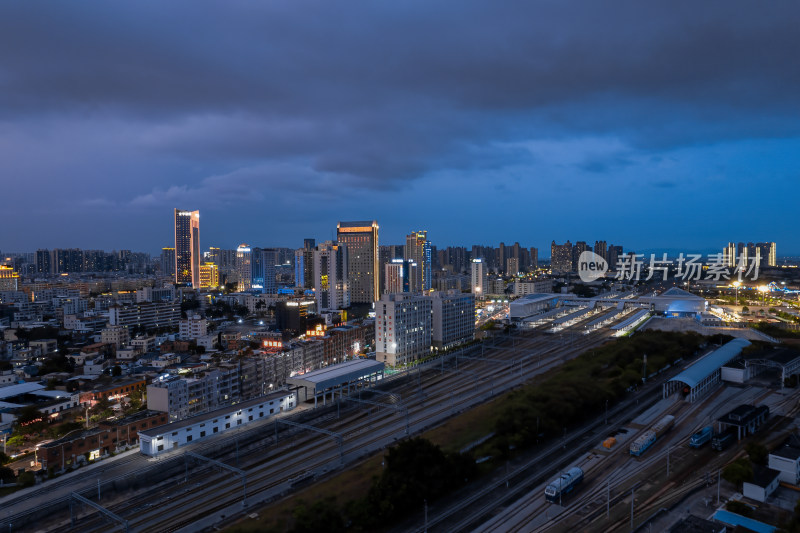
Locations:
(736, 284)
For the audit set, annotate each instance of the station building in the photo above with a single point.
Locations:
(532, 304)
(745, 419)
(160, 439)
(676, 303)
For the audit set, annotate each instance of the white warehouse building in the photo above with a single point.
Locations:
(160, 439)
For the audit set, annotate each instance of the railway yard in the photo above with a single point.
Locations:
(603, 501)
(177, 491)
(209, 484)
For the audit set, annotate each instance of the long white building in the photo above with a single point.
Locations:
(161, 439)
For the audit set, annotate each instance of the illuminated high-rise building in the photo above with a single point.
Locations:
(400, 276)
(533, 255)
(43, 264)
(243, 268)
(729, 255)
(478, 278)
(561, 257)
(772, 258)
(304, 265)
(209, 275)
(262, 270)
(768, 253)
(418, 250)
(601, 249)
(9, 280)
(331, 283)
(187, 247)
(577, 250)
(361, 240)
(168, 261)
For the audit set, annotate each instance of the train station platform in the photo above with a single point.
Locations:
(336, 378)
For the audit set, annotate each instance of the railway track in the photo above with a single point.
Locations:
(176, 505)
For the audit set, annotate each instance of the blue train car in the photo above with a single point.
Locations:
(701, 437)
(564, 484)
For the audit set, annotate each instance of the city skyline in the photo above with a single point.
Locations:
(532, 137)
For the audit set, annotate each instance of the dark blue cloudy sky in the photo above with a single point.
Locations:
(672, 124)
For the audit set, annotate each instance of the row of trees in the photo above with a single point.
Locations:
(416, 471)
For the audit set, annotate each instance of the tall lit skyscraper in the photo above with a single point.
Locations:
(243, 269)
(262, 270)
(478, 278)
(418, 250)
(601, 249)
(304, 265)
(331, 284)
(168, 261)
(209, 275)
(400, 276)
(187, 247)
(729, 255)
(43, 265)
(561, 257)
(772, 258)
(361, 240)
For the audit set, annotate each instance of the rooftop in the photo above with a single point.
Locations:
(743, 415)
(734, 519)
(335, 374)
(676, 292)
(21, 388)
(763, 476)
(787, 452)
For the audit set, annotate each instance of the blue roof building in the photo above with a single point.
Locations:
(704, 375)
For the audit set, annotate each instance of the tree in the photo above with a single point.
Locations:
(4, 459)
(417, 470)
(26, 479)
(28, 414)
(745, 310)
(116, 371)
(738, 472)
(758, 453)
(6, 474)
(137, 398)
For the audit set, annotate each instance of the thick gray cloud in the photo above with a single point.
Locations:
(140, 105)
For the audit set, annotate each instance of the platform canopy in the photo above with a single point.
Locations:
(338, 375)
(705, 373)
